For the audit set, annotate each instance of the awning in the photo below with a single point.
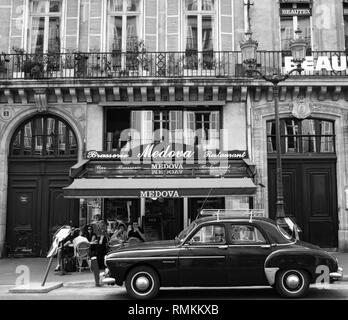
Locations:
(159, 188)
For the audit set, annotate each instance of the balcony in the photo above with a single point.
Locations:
(188, 64)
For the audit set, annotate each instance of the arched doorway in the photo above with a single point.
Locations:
(309, 177)
(42, 150)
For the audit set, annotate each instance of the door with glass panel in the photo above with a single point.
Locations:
(123, 33)
(199, 35)
(309, 177)
(42, 151)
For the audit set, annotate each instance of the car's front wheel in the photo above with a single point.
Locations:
(142, 283)
(292, 283)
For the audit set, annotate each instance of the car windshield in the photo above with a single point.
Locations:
(183, 234)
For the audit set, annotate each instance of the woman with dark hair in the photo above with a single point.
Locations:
(90, 235)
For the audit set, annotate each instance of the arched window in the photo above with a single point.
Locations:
(44, 136)
(302, 136)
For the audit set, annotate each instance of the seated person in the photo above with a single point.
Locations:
(62, 251)
(120, 234)
(219, 235)
(79, 239)
(90, 235)
(134, 231)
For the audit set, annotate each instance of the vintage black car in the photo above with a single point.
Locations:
(222, 251)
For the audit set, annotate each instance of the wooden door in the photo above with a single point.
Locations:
(310, 195)
(36, 206)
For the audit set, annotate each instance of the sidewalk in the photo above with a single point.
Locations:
(37, 268)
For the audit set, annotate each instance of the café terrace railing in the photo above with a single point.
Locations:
(193, 64)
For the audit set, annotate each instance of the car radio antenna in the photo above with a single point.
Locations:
(205, 200)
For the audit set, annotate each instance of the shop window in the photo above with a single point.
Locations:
(117, 120)
(302, 136)
(45, 26)
(290, 23)
(44, 137)
(199, 31)
(202, 129)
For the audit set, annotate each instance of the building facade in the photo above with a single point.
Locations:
(141, 109)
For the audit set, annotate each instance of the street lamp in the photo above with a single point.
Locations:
(298, 47)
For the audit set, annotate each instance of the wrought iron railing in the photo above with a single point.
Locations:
(191, 63)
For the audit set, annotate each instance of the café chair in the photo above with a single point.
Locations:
(83, 255)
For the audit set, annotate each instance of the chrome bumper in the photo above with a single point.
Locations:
(337, 276)
(106, 279)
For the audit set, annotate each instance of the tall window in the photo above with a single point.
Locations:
(123, 28)
(199, 31)
(206, 126)
(294, 16)
(345, 16)
(302, 136)
(45, 26)
(43, 137)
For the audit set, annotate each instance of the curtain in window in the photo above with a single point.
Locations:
(115, 39)
(192, 36)
(37, 35)
(132, 34)
(54, 35)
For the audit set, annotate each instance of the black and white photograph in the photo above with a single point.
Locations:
(175, 157)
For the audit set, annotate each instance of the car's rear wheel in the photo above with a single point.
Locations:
(142, 282)
(292, 283)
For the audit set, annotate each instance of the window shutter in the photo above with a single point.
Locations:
(173, 25)
(147, 127)
(151, 25)
(5, 17)
(95, 25)
(175, 126)
(17, 18)
(214, 129)
(189, 127)
(72, 24)
(136, 118)
(226, 25)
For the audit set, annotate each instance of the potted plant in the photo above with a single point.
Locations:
(99, 65)
(33, 66)
(81, 65)
(4, 60)
(174, 65)
(136, 58)
(18, 66)
(68, 64)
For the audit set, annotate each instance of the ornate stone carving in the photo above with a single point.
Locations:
(301, 108)
(40, 98)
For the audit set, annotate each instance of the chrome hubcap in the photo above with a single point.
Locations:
(292, 281)
(142, 283)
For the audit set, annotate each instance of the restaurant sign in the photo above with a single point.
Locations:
(316, 64)
(153, 154)
(154, 194)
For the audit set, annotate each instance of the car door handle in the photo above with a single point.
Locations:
(223, 247)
